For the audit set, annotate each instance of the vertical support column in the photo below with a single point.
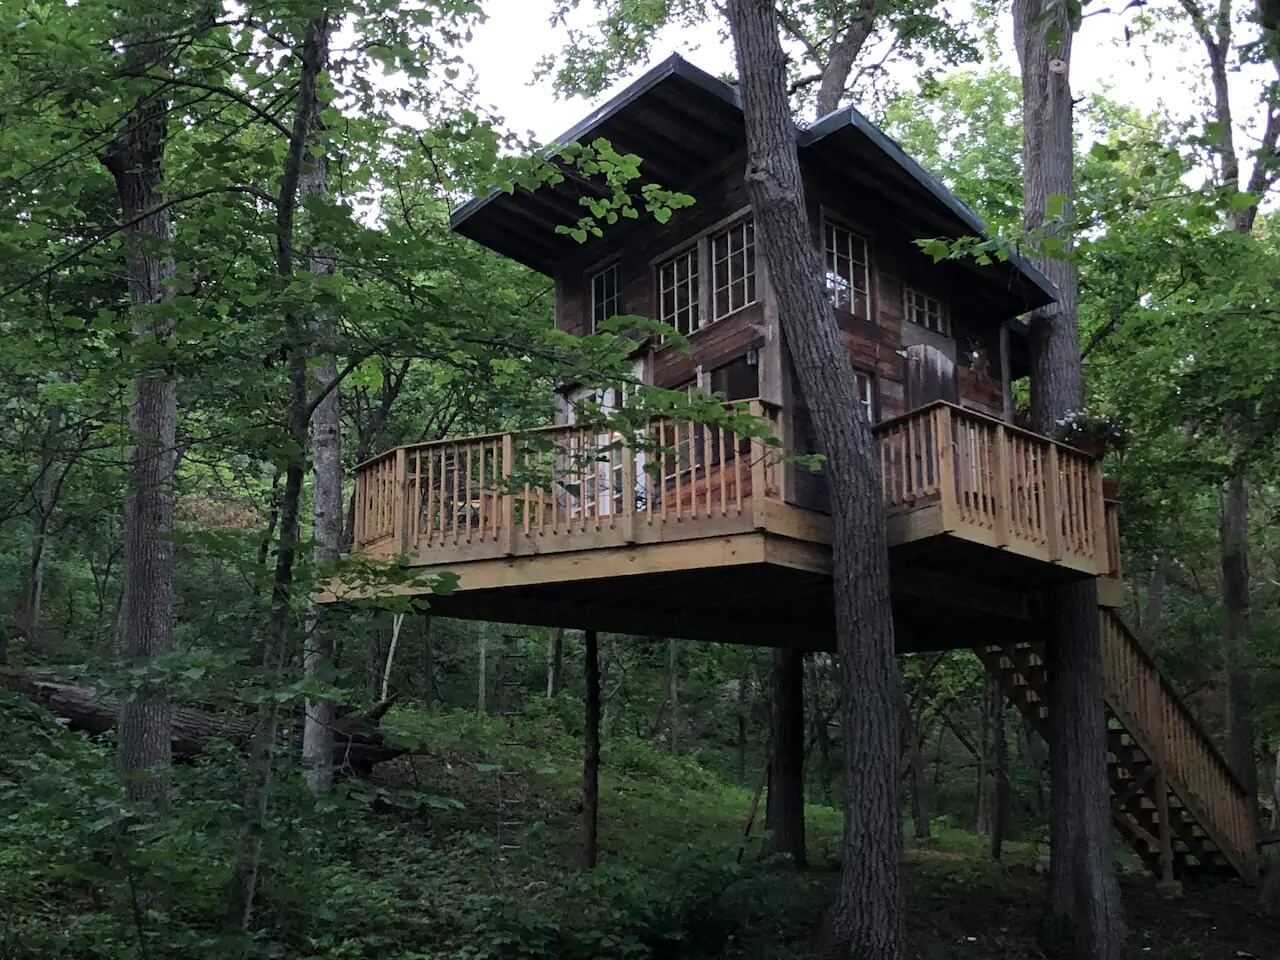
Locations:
(1052, 508)
(507, 514)
(358, 535)
(944, 440)
(400, 505)
(591, 753)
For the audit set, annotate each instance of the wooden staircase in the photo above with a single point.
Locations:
(1174, 798)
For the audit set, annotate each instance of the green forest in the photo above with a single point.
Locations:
(230, 284)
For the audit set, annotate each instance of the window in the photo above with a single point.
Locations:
(733, 268)
(925, 311)
(866, 394)
(604, 296)
(845, 260)
(678, 292)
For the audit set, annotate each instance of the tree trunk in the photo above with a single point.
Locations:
(1083, 906)
(920, 815)
(482, 669)
(867, 915)
(326, 481)
(784, 807)
(135, 159)
(999, 795)
(314, 57)
(591, 754)
(555, 664)
(1153, 609)
(743, 680)
(673, 694)
(1235, 628)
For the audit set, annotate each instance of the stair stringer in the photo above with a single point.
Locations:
(1191, 788)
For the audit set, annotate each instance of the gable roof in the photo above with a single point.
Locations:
(683, 122)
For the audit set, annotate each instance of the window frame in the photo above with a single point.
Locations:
(750, 279)
(701, 242)
(695, 255)
(609, 266)
(868, 385)
(827, 220)
(944, 314)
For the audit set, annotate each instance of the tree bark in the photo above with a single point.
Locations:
(1235, 628)
(1083, 906)
(135, 159)
(482, 669)
(555, 664)
(673, 694)
(326, 485)
(591, 754)
(999, 809)
(867, 915)
(314, 56)
(784, 805)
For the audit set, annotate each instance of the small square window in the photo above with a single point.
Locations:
(604, 296)
(845, 268)
(925, 311)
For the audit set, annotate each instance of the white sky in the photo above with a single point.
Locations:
(507, 47)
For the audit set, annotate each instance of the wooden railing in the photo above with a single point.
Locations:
(562, 487)
(997, 483)
(1156, 717)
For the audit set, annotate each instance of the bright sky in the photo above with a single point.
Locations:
(506, 50)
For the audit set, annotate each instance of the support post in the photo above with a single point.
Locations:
(628, 495)
(1006, 373)
(1165, 830)
(758, 475)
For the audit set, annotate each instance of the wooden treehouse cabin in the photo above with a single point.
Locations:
(698, 532)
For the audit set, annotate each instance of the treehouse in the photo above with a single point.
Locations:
(708, 532)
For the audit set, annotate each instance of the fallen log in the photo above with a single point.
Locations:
(357, 746)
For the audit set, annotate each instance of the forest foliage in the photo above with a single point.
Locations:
(436, 337)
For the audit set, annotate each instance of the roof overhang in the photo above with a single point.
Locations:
(684, 123)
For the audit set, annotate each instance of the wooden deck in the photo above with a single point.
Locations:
(687, 530)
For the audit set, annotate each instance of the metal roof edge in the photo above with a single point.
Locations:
(850, 116)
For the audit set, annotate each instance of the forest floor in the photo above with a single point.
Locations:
(653, 807)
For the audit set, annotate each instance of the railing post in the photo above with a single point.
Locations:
(628, 495)
(759, 476)
(944, 441)
(400, 505)
(361, 488)
(1003, 506)
(1098, 519)
(507, 515)
(1052, 509)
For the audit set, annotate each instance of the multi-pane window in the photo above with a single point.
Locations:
(925, 311)
(733, 268)
(678, 292)
(845, 263)
(866, 394)
(604, 296)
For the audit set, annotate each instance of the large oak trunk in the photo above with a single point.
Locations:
(1083, 905)
(866, 917)
(135, 159)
